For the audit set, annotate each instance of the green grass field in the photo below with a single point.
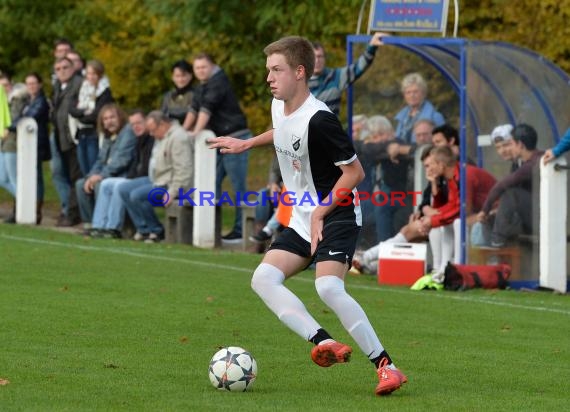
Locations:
(115, 325)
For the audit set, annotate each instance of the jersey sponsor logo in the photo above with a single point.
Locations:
(295, 142)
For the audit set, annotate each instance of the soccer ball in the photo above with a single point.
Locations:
(232, 369)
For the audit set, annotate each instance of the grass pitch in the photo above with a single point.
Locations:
(115, 325)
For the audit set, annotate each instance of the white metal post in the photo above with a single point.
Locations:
(204, 232)
(26, 190)
(553, 213)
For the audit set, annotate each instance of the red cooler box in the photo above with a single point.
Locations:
(401, 263)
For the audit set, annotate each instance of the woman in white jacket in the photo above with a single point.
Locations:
(93, 95)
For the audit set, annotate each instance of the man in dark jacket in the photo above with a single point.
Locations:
(65, 92)
(215, 107)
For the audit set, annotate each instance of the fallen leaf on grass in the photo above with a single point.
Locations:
(505, 328)
(183, 339)
(4, 382)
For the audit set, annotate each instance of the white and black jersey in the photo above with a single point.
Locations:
(310, 145)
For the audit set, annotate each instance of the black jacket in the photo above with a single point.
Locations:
(217, 98)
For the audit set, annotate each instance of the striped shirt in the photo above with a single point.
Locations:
(329, 85)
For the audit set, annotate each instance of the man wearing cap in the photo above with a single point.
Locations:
(514, 214)
(502, 138)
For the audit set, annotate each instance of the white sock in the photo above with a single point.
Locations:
(332, 292)
(435, 237)
(370, 256)
(267, 282)
(268, 230)
(442, 247)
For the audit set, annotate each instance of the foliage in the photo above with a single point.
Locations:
(139, 40)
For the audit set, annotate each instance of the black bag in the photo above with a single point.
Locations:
(465, 277)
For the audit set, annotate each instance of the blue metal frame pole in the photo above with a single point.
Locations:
(463, 149)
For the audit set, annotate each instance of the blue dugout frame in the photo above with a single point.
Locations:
(457, 50)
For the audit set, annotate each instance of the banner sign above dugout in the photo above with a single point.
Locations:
(425, 16)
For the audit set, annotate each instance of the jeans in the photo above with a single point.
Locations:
(87, 149)
(234, 166)
(86, 201)
(8, 176)
(109, 210)
(134, 194)
(58, 176)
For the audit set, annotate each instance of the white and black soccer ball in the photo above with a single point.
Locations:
(232, 369)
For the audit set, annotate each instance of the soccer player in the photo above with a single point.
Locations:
(317, 162)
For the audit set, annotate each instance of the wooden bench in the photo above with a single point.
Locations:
(178, 222)
(178, 225)
(247, 227)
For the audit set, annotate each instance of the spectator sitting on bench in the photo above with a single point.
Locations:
(114, 159)
(109, 213)
(438, 218)
(514, 192)
(171, 168)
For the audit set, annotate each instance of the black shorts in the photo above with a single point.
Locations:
(338, 244)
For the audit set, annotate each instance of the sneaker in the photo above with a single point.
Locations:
(232, 237)
(154, 238)
(112, 234)
(94, 233)
(139, 237)
(327, 354)
(390, 380)
(260, 237)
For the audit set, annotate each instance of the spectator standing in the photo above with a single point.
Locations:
(65, 94)
(38, 109)
(59, 176)
(414, 89)
(327, 84)
(93, 95)
(78, 62)
(176, 103)
(216, 107)
(17, 101)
